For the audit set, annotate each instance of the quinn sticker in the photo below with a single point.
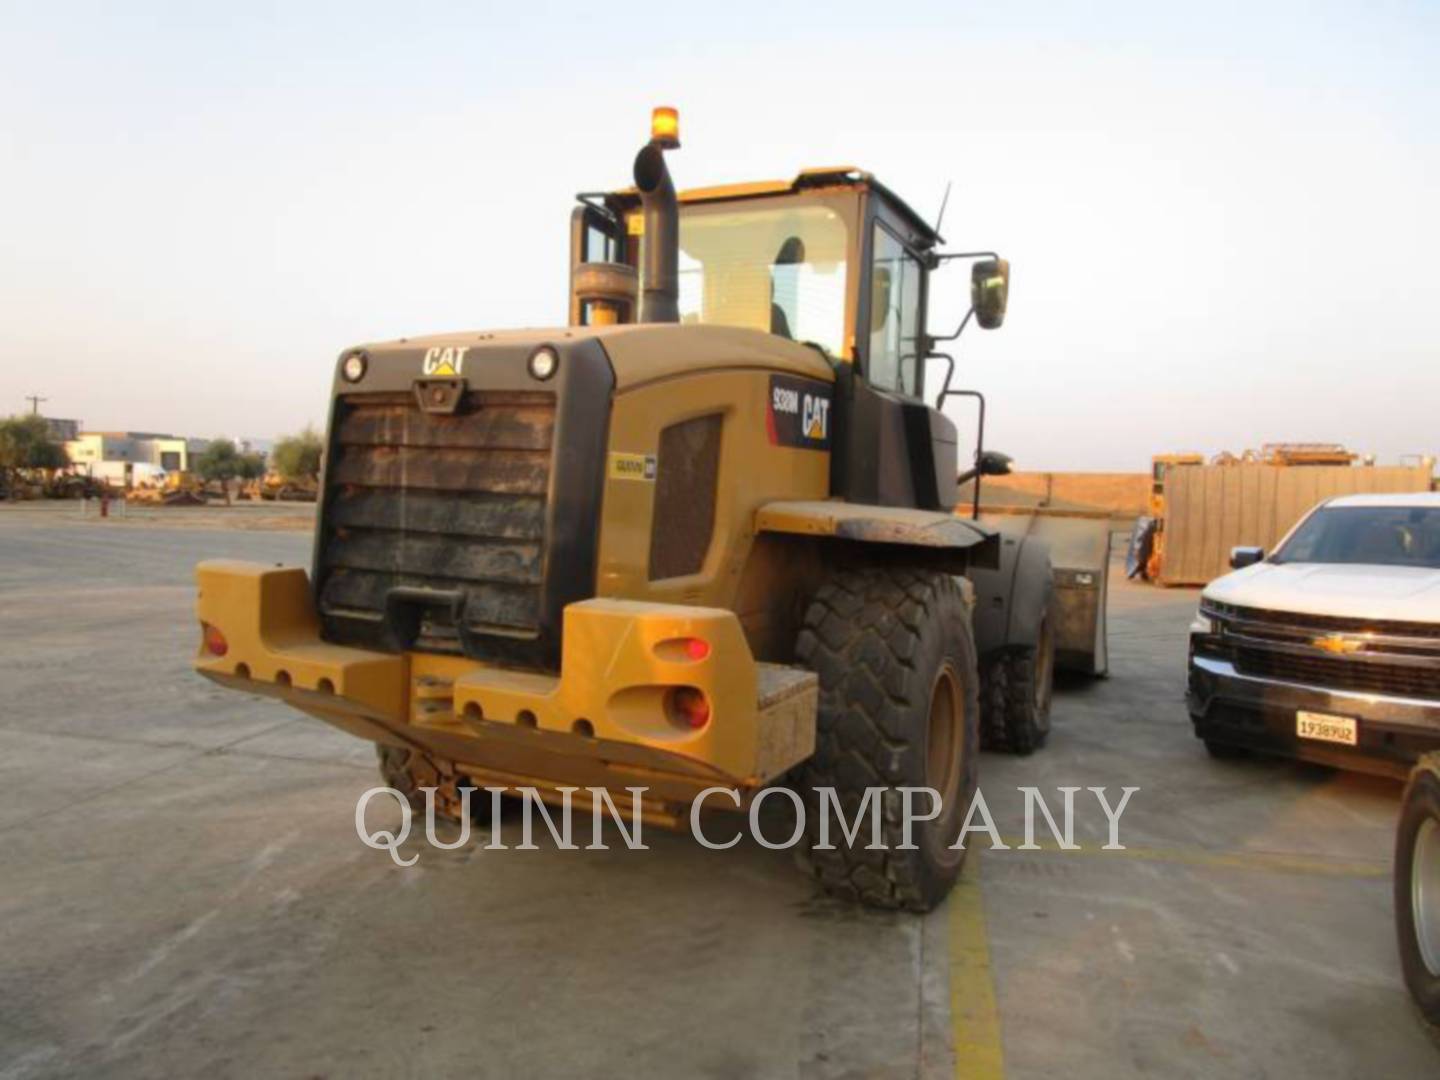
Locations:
(632, 467)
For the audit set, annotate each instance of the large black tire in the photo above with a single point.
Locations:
(408, 771)
(895, 654)
(1417, 886)
(1015, 695)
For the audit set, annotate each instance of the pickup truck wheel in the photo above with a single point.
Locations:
(1417, 886)
(1015, 695)
(1222, 751)
(895, 654)
(409, 771)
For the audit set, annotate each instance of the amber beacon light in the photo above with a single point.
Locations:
(665, 127)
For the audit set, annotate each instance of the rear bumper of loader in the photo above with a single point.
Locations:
(601, 722)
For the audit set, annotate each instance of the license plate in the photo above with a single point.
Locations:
(1326, 728)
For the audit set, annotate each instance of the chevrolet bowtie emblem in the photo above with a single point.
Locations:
(1338, 644)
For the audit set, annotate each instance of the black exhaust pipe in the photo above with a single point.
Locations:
(660, 301)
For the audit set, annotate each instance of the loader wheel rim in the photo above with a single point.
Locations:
(944, 734)
(1425, 893)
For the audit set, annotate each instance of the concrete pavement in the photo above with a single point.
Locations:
(183, 890)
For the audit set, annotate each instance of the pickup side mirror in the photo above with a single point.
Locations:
(1241, 557)
(990, 291)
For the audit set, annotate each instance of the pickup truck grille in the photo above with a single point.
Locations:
(1367, 656)
(1336, 673)
(437, 505)
(1296, 623)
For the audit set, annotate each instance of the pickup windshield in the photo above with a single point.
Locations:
(1368, 535)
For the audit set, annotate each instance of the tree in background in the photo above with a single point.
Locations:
(25, 443)
(251, 465)
(219, 461)
(297, 457)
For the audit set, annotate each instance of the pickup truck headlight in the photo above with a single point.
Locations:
(1203, 624)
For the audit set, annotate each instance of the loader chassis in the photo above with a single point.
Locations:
(671, 555)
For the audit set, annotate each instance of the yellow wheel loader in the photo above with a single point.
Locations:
(703, 536)
(175, 488)
(1147, 543)
(275, 487)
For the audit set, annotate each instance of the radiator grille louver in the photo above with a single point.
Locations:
(452, 503)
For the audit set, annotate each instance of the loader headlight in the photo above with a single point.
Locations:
(354, 367)
(543, 363)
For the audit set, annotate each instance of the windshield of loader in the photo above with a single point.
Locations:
(779, 269)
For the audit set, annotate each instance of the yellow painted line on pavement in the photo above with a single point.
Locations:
(973, 1013)
(1271, 861)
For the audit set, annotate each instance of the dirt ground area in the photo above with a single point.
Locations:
(184, 892)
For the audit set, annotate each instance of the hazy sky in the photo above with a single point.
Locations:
(1222, 219)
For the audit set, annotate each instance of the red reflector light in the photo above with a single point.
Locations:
(689, 707)
(696, 649)
(215, 642)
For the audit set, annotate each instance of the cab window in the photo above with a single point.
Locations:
(778, 268)
(893, 362)
(600, 246)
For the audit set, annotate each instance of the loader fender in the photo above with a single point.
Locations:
(956, 543)
(1011, 600)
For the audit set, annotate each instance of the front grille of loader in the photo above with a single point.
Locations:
(444, 512)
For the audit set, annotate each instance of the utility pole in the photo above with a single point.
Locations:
(35, 401)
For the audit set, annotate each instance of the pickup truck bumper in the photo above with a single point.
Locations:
(1231, 707)
(606, 719)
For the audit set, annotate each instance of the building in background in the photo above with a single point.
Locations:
(125, 456)
(62, 431)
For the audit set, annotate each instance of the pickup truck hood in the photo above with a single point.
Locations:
(1401, 593)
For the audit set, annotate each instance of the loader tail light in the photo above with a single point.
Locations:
(688, 707)
(215, 643)
(683, 650)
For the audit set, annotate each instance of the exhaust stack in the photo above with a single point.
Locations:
(660, 254)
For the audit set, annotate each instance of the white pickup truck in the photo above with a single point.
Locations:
(1328, 648)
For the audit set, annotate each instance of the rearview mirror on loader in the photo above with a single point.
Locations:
(994, 463)
(990, 291)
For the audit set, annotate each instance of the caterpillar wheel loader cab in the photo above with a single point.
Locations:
(700, 537)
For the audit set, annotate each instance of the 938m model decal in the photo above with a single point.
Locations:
(798, 413)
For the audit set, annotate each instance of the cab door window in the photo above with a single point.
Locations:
(600, 245)
(893, 360)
